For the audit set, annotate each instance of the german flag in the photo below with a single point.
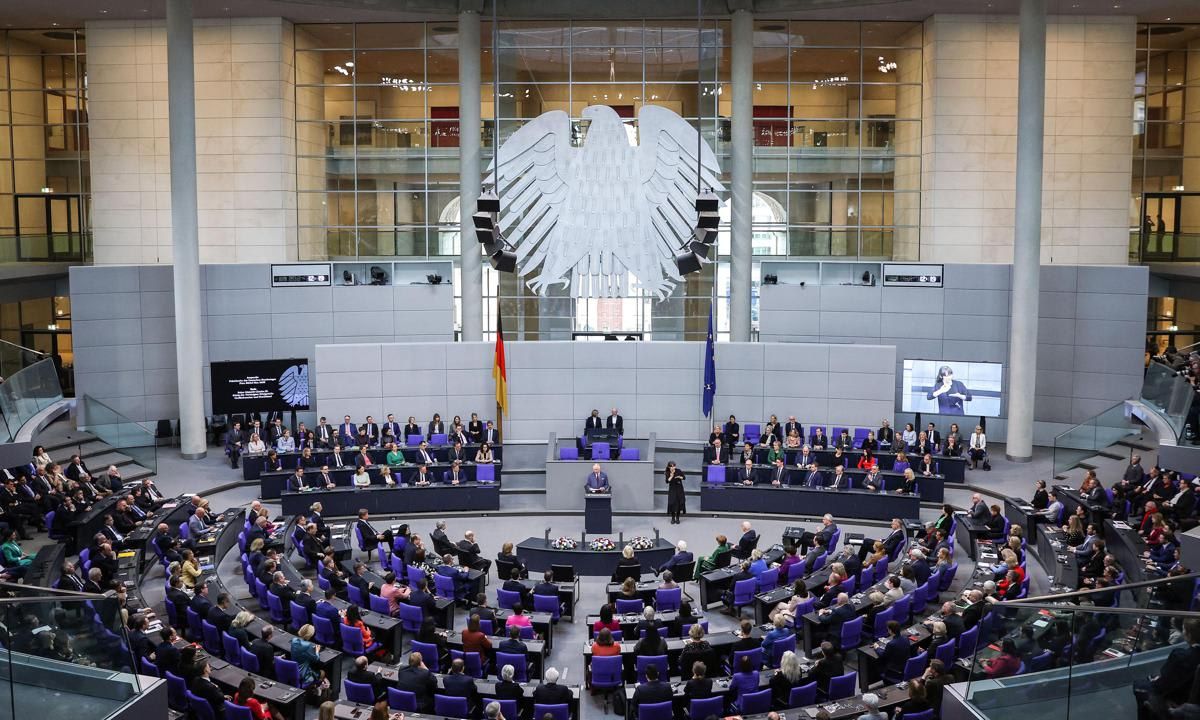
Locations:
(499, 373)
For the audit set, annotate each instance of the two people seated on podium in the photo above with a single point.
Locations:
(597, 481)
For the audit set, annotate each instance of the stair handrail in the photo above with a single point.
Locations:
(125, 436)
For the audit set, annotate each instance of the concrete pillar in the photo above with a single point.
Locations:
(1027, 241)
(741, 241)
(468, 170)
(181, 124)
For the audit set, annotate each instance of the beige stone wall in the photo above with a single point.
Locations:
(245, 144)
(970, 128)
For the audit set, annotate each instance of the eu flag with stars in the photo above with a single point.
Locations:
(710, 368)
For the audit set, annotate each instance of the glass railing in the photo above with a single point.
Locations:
(1065, 660)
(1090, 437)
(65, 655)
(26, 393)
(14, 358)
(1168, 394)
(1156, 247)
(124, 435)
(49, 247)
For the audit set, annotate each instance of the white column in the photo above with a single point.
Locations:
(742, 198)
(1027, 241)
(181, 124)
(468, 154)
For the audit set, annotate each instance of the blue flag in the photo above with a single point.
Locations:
(710, 368)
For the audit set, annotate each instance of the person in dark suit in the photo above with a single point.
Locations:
(895, 538)
(747, 542)
(416, 679)
(139, 643)
(371, 429)
(716, 453)
(205, 688)
(814, 478)
(458, 684)
(681, 557)
(166, 655)
(327, 609)
(699, 686)
(422, 598)
(325, 434)
(829, 665)
(549, 692)
(489, 434)
(512, 644)
(262, 649)
(363, 676)
(393, 426)
(597, 481)
(221, 614)
(747, 474)
(200, 602)
(547, 585)
(952, 620)
(235, 442)
(592, 422)
(69, 579)
(297, 483)
(652, 691)
(280, 589)
(614, 421)
(896, 651)
(348, 432)
(457, 453)
(979, 509)
(455, 475)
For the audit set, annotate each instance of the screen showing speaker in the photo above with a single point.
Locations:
(951, 387)
(259, 385)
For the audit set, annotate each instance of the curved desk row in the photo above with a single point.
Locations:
(273, 483)
(931, 488)
(953, 468)
(252, 464)
(396, 500)
(791, 500)
(539, 556)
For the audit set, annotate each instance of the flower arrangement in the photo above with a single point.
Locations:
(564, 543)
(641, 542)
(602, 544)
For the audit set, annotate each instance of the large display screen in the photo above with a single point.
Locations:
(259, 385)
(950, 387)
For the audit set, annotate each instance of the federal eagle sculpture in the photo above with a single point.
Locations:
(585, 217)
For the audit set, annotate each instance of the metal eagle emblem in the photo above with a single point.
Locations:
(588, 218)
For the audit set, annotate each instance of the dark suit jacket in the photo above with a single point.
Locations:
(551, 694)
(747, 543)
(1175, 678)
(265, 653)
(615, 423)
(652, 692)
(895, 654)
(166, 657)
(459, 686)
(420, 682)
(218, 618)
(679, 558)
(210, 692)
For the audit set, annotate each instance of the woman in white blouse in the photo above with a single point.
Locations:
(40, 457)
(286, 442)
(484, 454)
(256, 445)
(977, 446)
(361, 478)
(909, 435)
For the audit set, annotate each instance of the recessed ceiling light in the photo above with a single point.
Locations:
(54, 24)
(103, 12)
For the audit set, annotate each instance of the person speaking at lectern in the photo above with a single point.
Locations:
(597, 481)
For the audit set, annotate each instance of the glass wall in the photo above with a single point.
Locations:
(836, 159)
(44, 175)
(1164, 209)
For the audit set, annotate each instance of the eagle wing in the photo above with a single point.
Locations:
(667, 164)
(293, 386)
(532, 181)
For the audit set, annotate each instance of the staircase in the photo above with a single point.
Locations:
(62, 440)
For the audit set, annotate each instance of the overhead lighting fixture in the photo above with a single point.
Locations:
(1172, 328)
(887, 66)
(835, 81)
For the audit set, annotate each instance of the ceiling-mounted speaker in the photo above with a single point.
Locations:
(504, 261)
(488, 202)
(707, 202)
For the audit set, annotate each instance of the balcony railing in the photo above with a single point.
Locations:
(52, 247)
(26, 393)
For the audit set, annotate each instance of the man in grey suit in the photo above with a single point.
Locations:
(597, 481)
